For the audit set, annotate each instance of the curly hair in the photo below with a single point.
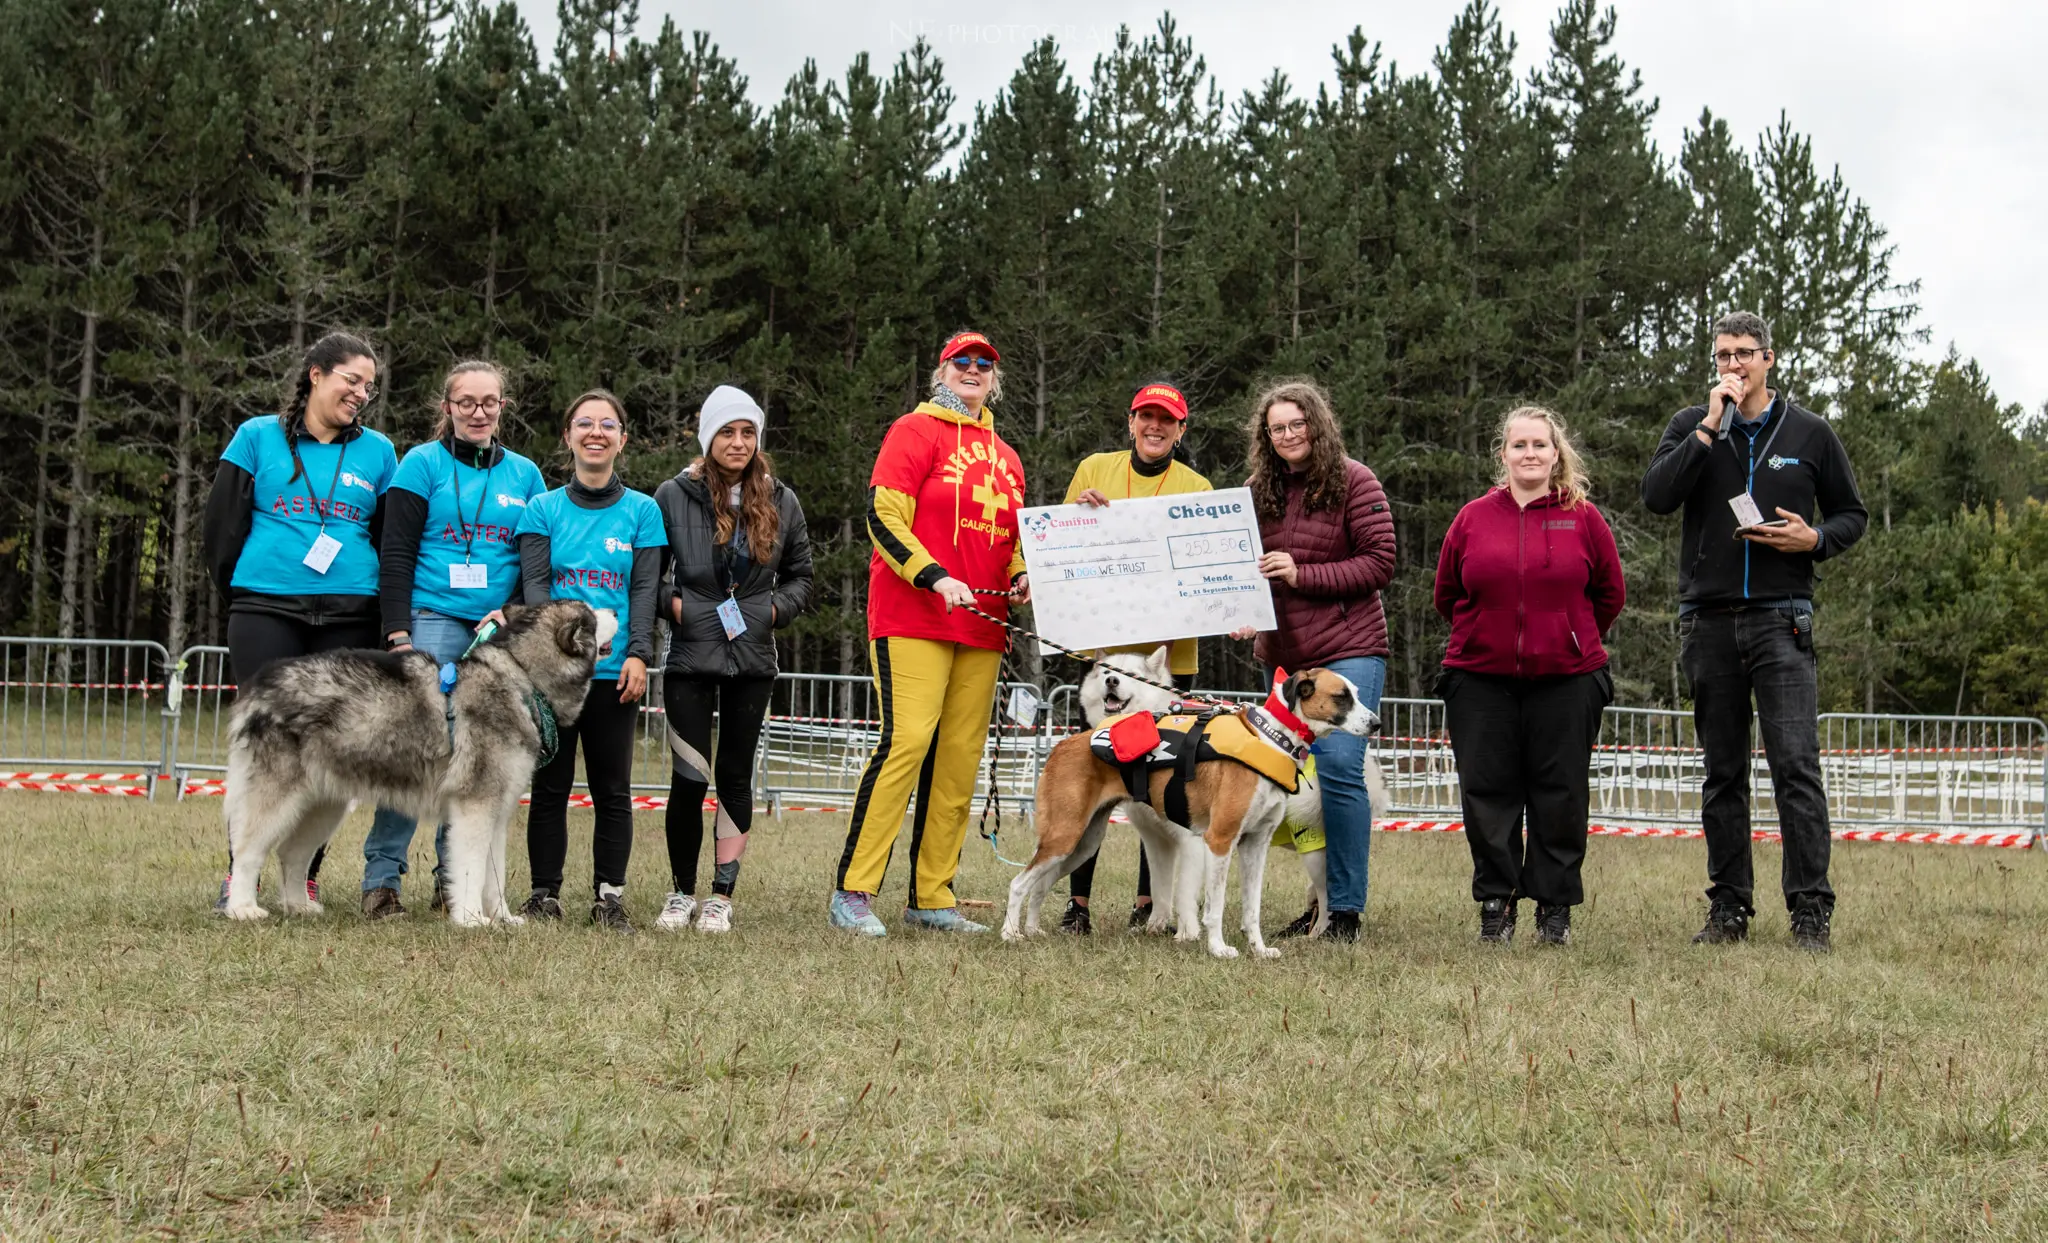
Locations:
(1325, 469)
(1567, 474)
(756, 482)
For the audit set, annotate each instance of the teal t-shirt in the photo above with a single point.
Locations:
(472, 519)
(593, 554)
(337, 492)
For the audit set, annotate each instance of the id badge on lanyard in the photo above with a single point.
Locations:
(325, 547)
(467, 577)
(729, 617)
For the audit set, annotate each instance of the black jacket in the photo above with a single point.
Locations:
(770, 590)
(1795, 462)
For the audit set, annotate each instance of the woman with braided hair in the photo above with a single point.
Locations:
(293, 521)
(942, 513)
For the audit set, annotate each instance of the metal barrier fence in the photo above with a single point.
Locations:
(117, 716)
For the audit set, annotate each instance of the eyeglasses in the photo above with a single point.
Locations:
(369, 387)
(966, 361)
(1293, 430)
(1729, 357)
(470, 405)
(593, 425)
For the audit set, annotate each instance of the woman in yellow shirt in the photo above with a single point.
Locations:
(1159, 418)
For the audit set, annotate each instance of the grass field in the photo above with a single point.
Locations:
(165, 1074)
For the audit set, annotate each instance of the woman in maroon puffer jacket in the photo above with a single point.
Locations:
(1329, 541)
(1530, 581)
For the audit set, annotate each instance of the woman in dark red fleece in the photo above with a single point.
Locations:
(1530, 580)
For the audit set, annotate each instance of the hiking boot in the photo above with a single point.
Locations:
(716, 915)
(1343, 927)
(440, 903)
(220, 904)
(1140, 913)
(1810, 922)
(542, 904)
(1497, 921)
(943, 919)
(677, 910)
(607, 913)
(381, 903)
(1553, 924)
(850, 912)
(1075, 922)
(1725, 926)
(313, 890)
(1302, 925)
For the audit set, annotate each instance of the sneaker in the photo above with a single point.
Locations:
(381, 903)
(440, 903)
(850, 912)
(1553, 924)
(607, 913)
(677, 910)
(1497, 921)
(542, 904)
(1140, 913)
(1810, 922)
(1075, 921)
(313, 890)
(944, 919)
(1725, 926)
(1301, 926)
(1343, 927)
(220, 904)
(717, 914)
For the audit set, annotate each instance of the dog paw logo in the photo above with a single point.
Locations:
(1039, 525)
(1780, 462)
(507, 500)
(349, 479)
(616, 545)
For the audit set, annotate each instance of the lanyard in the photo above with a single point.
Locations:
(307, 476)
(455, 481)
(1131, 481)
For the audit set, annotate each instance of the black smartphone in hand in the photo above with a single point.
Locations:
(1775, 522)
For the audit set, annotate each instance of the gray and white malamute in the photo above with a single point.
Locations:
(311, 734)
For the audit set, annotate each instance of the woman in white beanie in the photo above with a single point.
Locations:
(741, 570)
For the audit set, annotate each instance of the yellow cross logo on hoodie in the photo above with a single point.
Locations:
(991, 497)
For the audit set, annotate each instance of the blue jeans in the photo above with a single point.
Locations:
(1347, 808)
(445, 639)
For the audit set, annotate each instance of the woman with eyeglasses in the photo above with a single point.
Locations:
(291, 525)
(600, 542)
(1154, 465)
(449, 561)
(1329, 541)
(942, 513)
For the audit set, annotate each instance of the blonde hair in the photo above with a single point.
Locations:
(1567, 474)
(995, 381)
(445, 425)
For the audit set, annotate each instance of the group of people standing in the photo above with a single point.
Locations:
(421, 553)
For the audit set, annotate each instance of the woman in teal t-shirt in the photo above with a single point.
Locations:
(291, 525)
(600, 542)
(450, 560)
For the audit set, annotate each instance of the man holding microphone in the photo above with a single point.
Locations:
(1749, 468)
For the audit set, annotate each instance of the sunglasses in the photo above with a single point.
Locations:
(966, 361)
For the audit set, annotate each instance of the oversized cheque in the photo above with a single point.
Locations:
(1146, 570)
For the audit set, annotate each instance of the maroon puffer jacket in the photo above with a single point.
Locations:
(1344, 556)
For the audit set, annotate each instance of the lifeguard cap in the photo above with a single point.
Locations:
(968, 343)
(1164, 396)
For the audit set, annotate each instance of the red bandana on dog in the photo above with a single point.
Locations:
(1276, 708)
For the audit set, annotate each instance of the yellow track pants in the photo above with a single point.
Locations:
(935, 699)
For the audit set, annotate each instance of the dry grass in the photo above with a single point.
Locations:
(167, 1074)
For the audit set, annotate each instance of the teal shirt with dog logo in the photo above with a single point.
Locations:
(334, 495)
(592, 551)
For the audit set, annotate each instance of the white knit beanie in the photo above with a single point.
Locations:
(726, 405)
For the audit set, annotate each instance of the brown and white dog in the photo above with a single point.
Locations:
(1231, 807)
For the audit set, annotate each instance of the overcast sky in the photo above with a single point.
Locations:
(1937, 113)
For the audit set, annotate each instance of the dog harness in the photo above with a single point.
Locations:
(1139, 744)
(538, 709)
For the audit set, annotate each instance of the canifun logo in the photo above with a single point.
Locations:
(1039, 526)
(349, 479)
(507, 500)
(1776, 462)
(616, 545)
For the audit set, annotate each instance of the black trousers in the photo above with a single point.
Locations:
(259, 639)
(1727, 657)
(1524, 746)
(740, 706)
(606, 731)
(1081, 881)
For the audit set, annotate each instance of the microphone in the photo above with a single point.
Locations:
(1727, 416)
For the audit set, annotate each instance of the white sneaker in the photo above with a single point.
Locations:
(717, 916)
(676, 912)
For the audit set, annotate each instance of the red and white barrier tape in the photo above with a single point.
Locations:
(79, 783)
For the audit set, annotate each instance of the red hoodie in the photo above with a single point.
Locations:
(1529, 592)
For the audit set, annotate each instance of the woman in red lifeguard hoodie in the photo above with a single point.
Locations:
(1530, 581)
